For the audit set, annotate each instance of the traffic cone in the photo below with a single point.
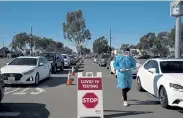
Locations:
(72, 73)
(69, 81)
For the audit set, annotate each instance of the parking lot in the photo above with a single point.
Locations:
(54, 99)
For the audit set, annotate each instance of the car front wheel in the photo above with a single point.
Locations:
(163, 98)
(37, 79)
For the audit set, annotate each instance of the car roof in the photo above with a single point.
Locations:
(167, 59)
(33, 57)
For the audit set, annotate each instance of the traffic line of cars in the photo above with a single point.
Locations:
(107, 61)
(32, 69)
(163, 78)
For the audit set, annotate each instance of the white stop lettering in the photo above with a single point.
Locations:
(90, 100)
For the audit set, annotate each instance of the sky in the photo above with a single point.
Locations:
(128, 20)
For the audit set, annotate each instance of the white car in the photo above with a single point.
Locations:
(114, 71)
(26, 70)
(163, 79)
(67, 61)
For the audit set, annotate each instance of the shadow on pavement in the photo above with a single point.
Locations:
(180, 110)
(23, 110)
(53, 82)
(147, 102)
(124, 113)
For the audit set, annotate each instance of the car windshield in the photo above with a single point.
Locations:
(48, 56)
(24, 61)
(171, 66)
(105, 56)
(65, 57)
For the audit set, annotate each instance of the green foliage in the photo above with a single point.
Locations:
(23, 41)
(74, 29)
(100, 45)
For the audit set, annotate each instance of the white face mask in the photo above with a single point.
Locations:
(127, 53)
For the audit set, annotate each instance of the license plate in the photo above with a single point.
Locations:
(11, 80)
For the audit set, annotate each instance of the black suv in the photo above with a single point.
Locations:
(56, 60)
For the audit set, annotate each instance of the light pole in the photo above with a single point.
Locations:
(177, 11)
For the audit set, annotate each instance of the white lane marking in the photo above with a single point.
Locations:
(39, 90)
(21, 92)
(9, 114)
(6, 89)
(12, 91)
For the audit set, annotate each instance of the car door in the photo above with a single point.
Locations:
(153, 78)
(58, 60)
(144, 75)
(47, 67)
(41, 69)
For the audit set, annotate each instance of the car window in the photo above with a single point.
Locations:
(154, 64)
(171, 66)
(41, 60)
(147, 65)
(45, 60)
(24, 61)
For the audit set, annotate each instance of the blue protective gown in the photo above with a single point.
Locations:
(124, 79)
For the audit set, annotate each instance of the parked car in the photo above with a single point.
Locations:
(56, 60)
(109, 61)
(163, 79)
(1, 87)
(95, 59)
(103, 59)
(73, 60)
(26, 70)
(115, 72)
(98, 58)
(67, 61)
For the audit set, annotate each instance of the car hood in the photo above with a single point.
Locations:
(16, 69)
(176, 78)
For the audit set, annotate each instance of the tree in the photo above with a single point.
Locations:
(23, 40)
(161, 44)
(172, 38)
(20, 41)
(67, 50)
(85, 50)
(100, 45)
(124, 47)
(74, 29)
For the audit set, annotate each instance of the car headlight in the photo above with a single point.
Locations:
(176, 86)
(28, 72)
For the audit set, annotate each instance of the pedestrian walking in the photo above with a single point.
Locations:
(124, 65)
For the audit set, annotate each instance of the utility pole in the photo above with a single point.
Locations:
(110, 41)
(176, 8)
(31, 40)
(177, 37)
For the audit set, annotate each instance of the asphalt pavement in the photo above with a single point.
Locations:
(54, 99)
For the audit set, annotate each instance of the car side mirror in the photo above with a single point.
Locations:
(41, 64)
(152, 70)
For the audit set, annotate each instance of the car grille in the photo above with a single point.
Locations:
(16, 75)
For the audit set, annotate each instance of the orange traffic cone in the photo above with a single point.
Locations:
(69, 81)
(72, 73)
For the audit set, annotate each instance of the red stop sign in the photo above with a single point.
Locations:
(90, 100)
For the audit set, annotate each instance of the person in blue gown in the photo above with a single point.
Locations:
(124, 65)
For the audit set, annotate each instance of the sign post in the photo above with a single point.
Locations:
(90, 95)
(176, 10)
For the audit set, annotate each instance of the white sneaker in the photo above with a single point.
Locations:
(125, 104)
